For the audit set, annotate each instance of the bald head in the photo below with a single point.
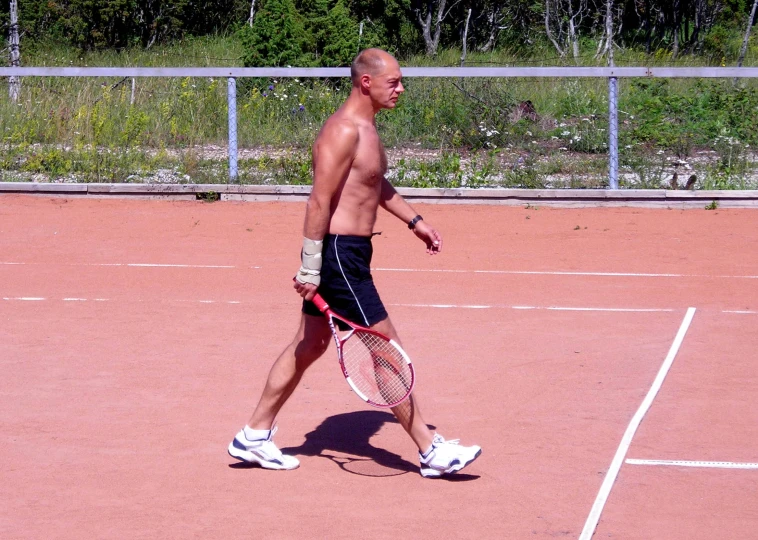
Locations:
(370, 62)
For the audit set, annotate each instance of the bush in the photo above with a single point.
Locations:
(278, 37)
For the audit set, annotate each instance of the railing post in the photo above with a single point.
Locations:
(613, 132)
(231, 97)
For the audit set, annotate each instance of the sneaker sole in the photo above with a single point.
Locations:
(434, 473)
(249, 457)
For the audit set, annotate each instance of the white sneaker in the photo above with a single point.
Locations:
(262, 451)
(446, 457)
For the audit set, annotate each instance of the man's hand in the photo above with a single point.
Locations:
(306, 290)
(430, 236)
(308, 278)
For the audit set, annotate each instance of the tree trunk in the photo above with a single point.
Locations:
(676, 8)
(743, 50)
(14, 83)
(252, 14)
(648, 27)
(605, 47)
(465, 37)
(549, 31)
(494, 19)
(573, 35)
(431, 42)
(609, 31)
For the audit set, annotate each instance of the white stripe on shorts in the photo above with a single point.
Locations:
(336, 254)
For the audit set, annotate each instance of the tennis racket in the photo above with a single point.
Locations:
(375, 366)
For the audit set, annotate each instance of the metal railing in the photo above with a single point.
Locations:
(233, 73)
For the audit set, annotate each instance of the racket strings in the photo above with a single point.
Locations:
(377, 368)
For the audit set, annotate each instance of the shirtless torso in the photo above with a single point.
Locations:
(354, 202)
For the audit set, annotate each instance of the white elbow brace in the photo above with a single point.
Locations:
(310, 269)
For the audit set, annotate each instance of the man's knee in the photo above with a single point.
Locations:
(386, 327)
(312, 339)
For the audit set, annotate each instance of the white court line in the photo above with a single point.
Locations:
(72, 299)
(741, 312)
(153, 265)
(424, 306)
(135, 265)
(559, 273)
(699, 464)
(548, 308)
(422, 270)
(610, 477)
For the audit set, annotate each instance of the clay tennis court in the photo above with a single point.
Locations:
(136, 336)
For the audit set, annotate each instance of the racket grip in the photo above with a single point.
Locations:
(320, 303)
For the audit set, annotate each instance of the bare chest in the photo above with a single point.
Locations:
(370, 162)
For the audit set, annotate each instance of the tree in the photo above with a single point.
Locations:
(605, 45)
(14, 83)
(338, 38)
(278, 37)
(493, 15)
(430, 16)
(745, 41)
(562, 21)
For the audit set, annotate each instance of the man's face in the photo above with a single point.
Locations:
(387, 85)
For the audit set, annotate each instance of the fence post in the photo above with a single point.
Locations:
(613, 132)
(231, 98)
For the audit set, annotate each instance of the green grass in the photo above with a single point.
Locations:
(469, 132)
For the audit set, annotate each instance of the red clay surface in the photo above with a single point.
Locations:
(122, 385)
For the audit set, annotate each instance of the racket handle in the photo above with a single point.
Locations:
(320, 303)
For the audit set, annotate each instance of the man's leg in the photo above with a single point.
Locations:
(311, 341)
(437, 456)
(408, 413)
(253, 443)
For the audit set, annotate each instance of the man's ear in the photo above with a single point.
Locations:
(366, 81)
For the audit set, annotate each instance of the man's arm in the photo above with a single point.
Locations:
(394, 203)
(333, 154)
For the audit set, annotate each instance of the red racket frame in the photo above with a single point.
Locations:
(321, 304)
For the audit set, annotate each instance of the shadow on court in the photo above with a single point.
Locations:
(345, 440)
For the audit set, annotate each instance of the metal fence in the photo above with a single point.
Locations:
(612, 74)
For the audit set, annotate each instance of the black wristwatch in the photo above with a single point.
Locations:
(412, 223)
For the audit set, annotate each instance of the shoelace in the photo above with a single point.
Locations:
(271, 448)
(439, 439)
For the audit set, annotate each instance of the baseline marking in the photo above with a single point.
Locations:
(136, 265)
(699, 464)
(431, 306)
(558, 273)
(420, 270)
(610, 477)
(548, 308)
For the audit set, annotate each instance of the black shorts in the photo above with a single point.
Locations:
(346, 282)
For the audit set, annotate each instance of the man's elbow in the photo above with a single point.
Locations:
(317, 204)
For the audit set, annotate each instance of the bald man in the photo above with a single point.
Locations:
(349, 185)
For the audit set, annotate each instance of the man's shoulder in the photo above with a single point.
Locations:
(338, 129)
(340, 125)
